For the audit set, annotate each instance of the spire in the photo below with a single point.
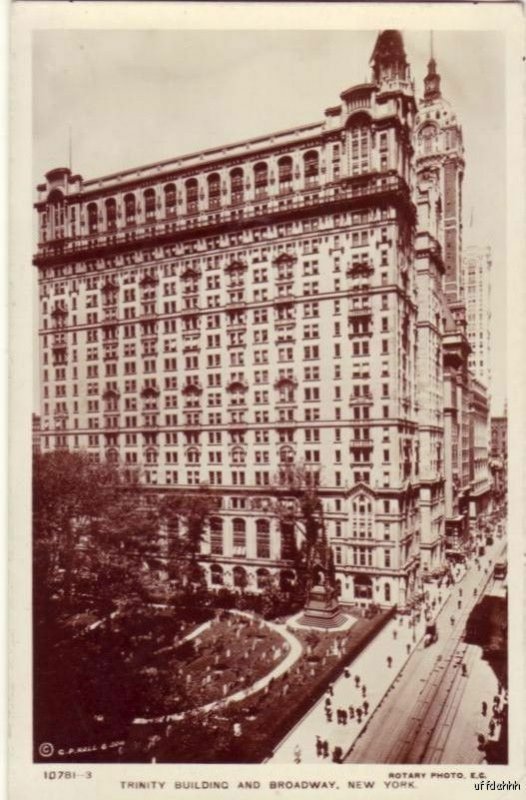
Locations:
(389, 60)
(432, 79)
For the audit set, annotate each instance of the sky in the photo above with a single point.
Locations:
(132, 98)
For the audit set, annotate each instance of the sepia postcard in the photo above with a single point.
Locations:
(266, 271)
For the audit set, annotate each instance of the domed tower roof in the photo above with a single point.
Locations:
(432, 82)
(389, 56)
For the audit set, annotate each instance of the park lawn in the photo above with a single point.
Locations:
(229, 656)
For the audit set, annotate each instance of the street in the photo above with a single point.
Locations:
(422, 708)
(419, 720)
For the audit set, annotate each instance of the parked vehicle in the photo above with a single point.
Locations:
(500, 570)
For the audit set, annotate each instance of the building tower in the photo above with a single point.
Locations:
(443, 348)
(439, 147)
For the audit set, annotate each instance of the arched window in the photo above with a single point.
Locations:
(191, 196)
(263, 578)
(93, 222)
(193, 455)
(111, 213)
(149, 204)
(240, 537)
(360, 148)
(311, 167)
(112, 456)
(240, 577)
(238, 455)
(387, 592)
(427, 139)
(286, 454)
(216, 575)
(129, 209)
(214, 190)
(56, 214)
(236, 185)
(362, 517)
(170, 199)
(261, 179)
(262, 538)
(363, 587)
(285, 174)
(151, 456)
(216, 536)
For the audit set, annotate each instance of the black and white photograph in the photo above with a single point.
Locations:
(269, 405)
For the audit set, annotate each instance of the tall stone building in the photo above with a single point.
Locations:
(444, 398)
(223, 315)
(477, 265)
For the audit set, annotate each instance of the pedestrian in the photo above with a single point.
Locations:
(364, 690)
(325, 745)
(452, 620)
(346, 673)
(408, 648)
(492, 728)
(319, 746)
(496, 700)
(357, 680)
(365, 707)
(359, 715)
(389, 662)
(460, 592)
(330, 689)
(464, 671)
(475, 592)
(395, 634)
(344, 716)
(484, 708)
(337, 755)
(351, 712)
(327, 702)
(297, 754)
(459, 604)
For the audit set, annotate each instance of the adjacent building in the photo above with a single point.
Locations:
(499, 455)
(224, 315)
(477, 265)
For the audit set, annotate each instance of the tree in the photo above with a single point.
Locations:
(298, 504)
(193, 510)
(88, 524)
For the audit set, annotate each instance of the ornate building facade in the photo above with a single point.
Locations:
(219, 317)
